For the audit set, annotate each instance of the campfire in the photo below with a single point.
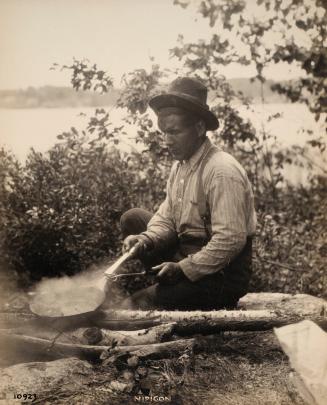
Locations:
(126, 339)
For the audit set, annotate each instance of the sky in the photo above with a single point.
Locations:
(118, 35)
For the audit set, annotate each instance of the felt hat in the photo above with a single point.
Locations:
(189, 94)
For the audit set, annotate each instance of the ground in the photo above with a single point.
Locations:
(248, 378)
(250, 370)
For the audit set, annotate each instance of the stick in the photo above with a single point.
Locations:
(284, 266)
(28, 344)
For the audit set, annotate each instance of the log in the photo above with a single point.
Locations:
(206, 327)
(155, 334)
(206, 322)
(27, 344)
(104, 322)
(76, 336)
(253, 344)
(259, 311)
(179, 316)
(96, 336)
(255, 304)
(152, 351)
(9, 320)
(256, 345)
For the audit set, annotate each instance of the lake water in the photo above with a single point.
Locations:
(21, 129)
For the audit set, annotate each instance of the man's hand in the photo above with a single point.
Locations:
(170, 273)
(139, 242)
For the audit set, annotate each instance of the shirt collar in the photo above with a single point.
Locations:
(199, 154)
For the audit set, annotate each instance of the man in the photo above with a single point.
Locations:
(201, 236)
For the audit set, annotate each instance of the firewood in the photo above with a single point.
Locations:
(259, 311)
(247, 343)
(252, 344)
(97, 336)
(103, 337)
(180, 316)
(104, 322)
(151, 351)
(9, 320)
(206, 322)
(21, 343)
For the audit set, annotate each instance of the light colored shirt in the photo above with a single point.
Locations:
(230, 199)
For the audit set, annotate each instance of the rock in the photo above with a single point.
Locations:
(119, 386)
(142, 371)
(298, 304)
(133, 361)
(42, 377)
(128, 375)
(306, 346)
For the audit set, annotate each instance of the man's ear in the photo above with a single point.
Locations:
(201, 128)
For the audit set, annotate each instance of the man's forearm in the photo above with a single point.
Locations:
(159, 239)
(160, 230)
(213, 257)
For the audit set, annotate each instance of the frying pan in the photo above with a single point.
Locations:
(75, 305)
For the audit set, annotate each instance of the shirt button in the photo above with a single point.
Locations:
(179, 200)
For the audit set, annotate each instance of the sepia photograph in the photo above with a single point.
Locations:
(163, 202)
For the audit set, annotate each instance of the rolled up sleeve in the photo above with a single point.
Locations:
(229, 229)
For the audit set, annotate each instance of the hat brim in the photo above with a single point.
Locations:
(173, 100)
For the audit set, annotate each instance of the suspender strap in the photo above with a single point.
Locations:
(203, 205)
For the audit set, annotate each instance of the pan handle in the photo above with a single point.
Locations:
(112, 269)
(115, 277)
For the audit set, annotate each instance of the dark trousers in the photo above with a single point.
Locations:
(219, 290)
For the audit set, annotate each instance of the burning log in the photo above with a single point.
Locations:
(120, 338)
(82, 343)
(101, 337)
(153, 351)
(253, 344)
(259, 343)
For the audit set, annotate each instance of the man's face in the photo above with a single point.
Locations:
(182, 139)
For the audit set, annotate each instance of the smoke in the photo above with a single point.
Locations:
(66, 296)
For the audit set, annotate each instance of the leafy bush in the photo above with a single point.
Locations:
(291, 246)
(62, 210)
